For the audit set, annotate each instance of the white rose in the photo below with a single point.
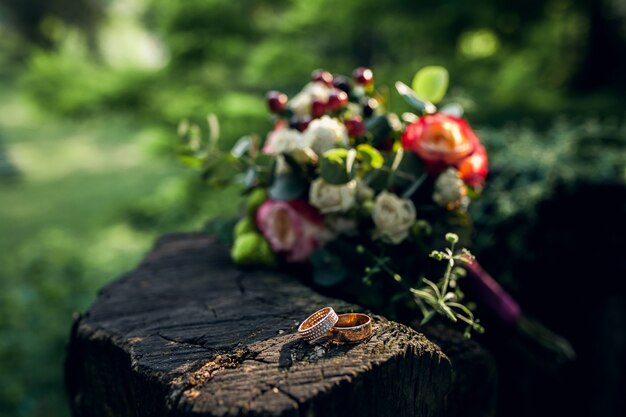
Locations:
(329, 198)
(393, 217)
(324, 134)
(450, 191)
(283, 140)
(300, 104)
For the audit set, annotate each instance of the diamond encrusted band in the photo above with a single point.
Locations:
(317, 325)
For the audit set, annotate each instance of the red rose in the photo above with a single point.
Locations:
(473, 169)
(444, 141)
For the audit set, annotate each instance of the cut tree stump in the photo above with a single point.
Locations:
(189, 334)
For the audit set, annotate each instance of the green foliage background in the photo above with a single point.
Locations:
(91, 92)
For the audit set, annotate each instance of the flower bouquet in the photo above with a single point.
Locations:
(370, 199)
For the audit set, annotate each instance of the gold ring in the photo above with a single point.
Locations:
(317, 325)
(352, 328)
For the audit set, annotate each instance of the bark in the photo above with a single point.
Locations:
(189, 334)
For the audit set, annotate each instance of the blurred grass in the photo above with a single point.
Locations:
(87, 127)
(66, 228)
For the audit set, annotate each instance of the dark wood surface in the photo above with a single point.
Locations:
(189, 334)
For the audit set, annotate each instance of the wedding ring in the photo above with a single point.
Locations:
(317, 325)
(351, 328)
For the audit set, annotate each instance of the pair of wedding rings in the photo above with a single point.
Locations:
(325, 324)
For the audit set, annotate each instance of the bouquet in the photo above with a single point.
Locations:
(370, 199)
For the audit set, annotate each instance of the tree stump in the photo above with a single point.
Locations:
(189, 334)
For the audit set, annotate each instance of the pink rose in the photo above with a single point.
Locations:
(292, 227)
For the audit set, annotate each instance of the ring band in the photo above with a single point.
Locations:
(317, 325)
(351, 328)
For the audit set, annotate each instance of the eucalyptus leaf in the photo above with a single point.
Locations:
(376, 179)
(413, 187)
(241, 146)
(452, 109)
(431, 83)
(422, 105)
(287, 187)
(334, 167)
(379, 127)
(407, 173)
(250, 178)
(328, 269)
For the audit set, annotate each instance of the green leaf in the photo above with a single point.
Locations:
(296, 168)
(370, 156)
(448, 312)
(214, 130)
(334, 168)
(249, 179)
(337, 155)
(328, 269)
(398, 297)
(428, 297)
(287, 187)
(422, 105)
(452, 109)
(264, 166)
(220, 170)
(350, 159)
(376, 179)
(433, 286)
(413, 187)
(408, 170)
(428, 317)
(190, 160)
(431, 83)
(241, 146)
(379, 127)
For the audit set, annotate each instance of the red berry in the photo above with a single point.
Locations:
(318, 108)
(276, 101)
(369, 107)
(319, 75)
(363, 76)
(337, 100)
(299, 123)
(355, 126)
(304, 123)
(343, 83)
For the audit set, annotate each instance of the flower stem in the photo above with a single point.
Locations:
(446, 278)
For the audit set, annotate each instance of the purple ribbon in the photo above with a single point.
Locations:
(491, 294)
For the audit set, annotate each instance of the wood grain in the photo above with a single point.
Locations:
(189, 334)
